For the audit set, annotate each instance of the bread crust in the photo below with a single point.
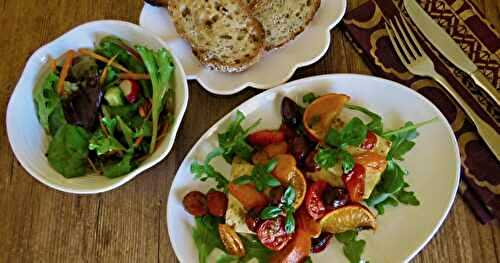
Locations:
(217, 64)
(257, 4)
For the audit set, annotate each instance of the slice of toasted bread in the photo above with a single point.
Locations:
(222, 33)
(283, 20)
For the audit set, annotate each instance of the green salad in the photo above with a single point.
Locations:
(106, 108)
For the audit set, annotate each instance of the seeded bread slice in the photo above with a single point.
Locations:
(283, 20)
(222, 33)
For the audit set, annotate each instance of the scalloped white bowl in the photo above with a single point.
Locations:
(275, 67)
(29, 140)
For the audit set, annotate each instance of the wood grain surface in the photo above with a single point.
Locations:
(38, 224)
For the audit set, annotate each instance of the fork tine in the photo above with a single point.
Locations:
(407, 42)
(395, 46)
(414, 39)
(400, 41)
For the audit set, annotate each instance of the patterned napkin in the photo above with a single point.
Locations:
(364, 26)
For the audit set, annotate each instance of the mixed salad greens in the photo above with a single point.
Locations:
(294, 188)
(107, 108)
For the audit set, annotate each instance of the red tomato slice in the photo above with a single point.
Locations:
(272, 234)
(266, 137)
(355, 182)
(314, 203)
(370, 141)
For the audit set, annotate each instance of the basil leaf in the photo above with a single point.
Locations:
(270, 212)
(333, 138)
(270, 181)
(289, 222)
(354, 133)
(245, 179)
(269, 167)
(288, 197)
(326, 158)
(375, 125)
(347, 160)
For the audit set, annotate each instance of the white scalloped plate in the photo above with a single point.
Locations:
(276, 67)
(433, 164)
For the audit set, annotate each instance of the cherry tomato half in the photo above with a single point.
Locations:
(370, 141)
(355, 182)
(272, 234)
(314, 203)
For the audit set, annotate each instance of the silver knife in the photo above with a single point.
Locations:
(448, 47)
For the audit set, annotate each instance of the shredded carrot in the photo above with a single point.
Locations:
(138, 140)
(104, 73)
(52, 64)
(134, 76)
(142, 111)
(90, 53)
(64, 71)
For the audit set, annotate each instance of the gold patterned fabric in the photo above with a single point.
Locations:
(364, 26)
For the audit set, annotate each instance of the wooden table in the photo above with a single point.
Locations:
(38, 224)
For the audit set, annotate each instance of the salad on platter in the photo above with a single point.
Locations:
(292, 189)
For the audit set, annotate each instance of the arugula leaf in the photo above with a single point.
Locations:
(375, 125)
(48, 105)
(232, 141)
(205, 171)
(68, 151)
(353, 248)
(408, 129)
(126, 131)
(160, 66)
(206, 236)
(392, 178)
(308, 260)
(260, 176)
(103, 144)
(388, 201)
(110, 46)
(120, 168)
(309, 97)
(255, 249)
(407, 198)
(110, 124)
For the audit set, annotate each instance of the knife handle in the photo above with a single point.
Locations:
(487, 133)
(483, 82)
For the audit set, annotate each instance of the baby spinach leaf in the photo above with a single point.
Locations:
(68, 151)
(120, 168)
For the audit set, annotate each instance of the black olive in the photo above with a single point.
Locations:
(320, 243)
(290, 112)
(335, 197)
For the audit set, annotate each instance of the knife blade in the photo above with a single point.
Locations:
(448, 47)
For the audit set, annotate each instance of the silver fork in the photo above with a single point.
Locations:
(418, 62)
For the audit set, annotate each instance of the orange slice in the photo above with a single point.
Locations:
(320, 114)
(287, 173)
(347, 218)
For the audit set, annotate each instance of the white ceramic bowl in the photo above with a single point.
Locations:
(29, 140)
(433, 165)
